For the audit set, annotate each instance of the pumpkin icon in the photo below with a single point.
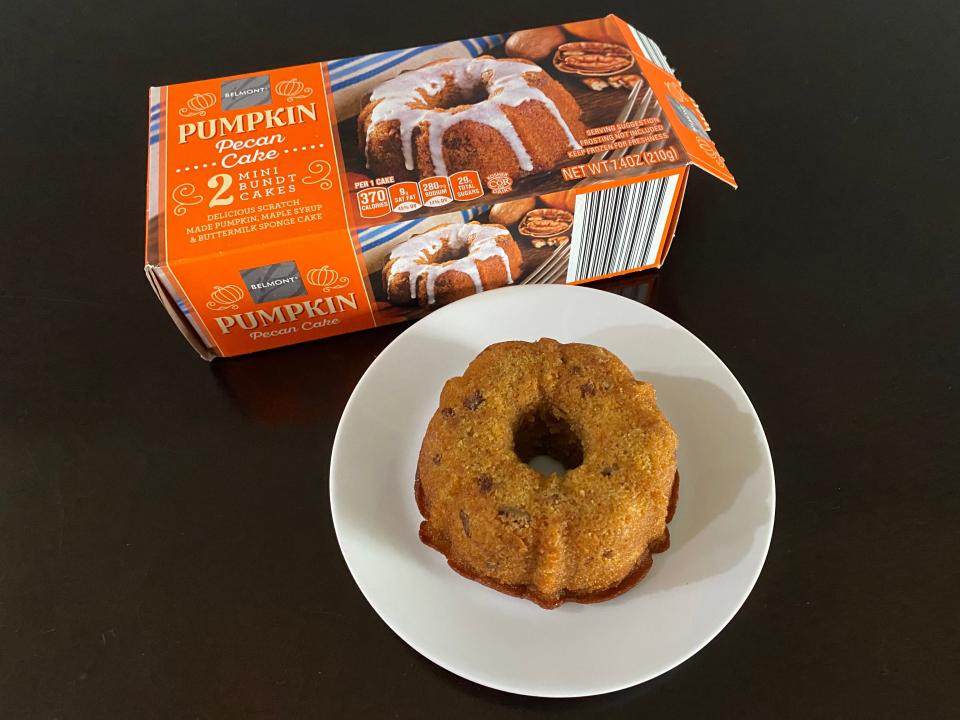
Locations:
(225, 297)
(198, 104)
(327, 278)
(293, 89)
(710, 150)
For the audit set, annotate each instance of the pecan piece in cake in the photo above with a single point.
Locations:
(514, 516)
(485, 484)
(474, 400)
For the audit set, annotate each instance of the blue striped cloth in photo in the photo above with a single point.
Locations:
(350, 71)
(376, 236)
(155, 117)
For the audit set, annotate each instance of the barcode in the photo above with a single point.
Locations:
(621, 228)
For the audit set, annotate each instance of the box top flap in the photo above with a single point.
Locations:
(685, 117)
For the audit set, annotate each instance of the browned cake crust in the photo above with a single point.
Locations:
(528, 592)
(470, 145)
(585, 536)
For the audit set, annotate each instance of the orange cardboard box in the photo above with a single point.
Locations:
(293, 204)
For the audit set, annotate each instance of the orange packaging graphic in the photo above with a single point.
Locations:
(294, 204)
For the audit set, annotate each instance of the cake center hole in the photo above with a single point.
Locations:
(457, 96)
(547, 443)
(451, 251)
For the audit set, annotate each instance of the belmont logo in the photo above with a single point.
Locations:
(229, 94)
(287, 313)
(248, 122)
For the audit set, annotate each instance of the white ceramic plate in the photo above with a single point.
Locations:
(719, 535)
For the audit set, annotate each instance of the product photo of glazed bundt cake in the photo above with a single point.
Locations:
(449, 262)
(585, 535)
(485, 114)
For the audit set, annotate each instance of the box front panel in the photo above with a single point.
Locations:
(308, 201)
(248, 160)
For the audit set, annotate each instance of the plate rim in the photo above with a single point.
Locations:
(503, 687)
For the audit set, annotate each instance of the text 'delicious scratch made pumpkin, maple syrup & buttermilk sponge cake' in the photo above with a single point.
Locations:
(586, 535)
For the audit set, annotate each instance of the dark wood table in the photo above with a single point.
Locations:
(166, 549)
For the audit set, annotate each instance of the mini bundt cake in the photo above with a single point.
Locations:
(586, 535)
(478, 114)
(449, 262)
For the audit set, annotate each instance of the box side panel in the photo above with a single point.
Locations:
(260, 297)
(154, 137)
(175, 294)
(672, 228)
(173, 308)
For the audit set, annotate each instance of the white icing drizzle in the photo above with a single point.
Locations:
(414, 256)
(406, 99)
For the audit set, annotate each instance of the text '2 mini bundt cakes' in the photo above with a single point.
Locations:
(480, 114)
(586, 535)
(449, 262)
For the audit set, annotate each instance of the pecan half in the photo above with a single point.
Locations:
(545, 222)
(592, 58)
(623, 81)
(595, 83)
